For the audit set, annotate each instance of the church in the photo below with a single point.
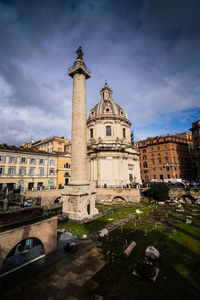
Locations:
(112, 159)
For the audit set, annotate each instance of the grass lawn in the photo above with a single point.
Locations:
(179, 261)
(178, 243)
(118, 211)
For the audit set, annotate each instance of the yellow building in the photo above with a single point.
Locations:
(63, 168)
(28, 169)
(53, 144)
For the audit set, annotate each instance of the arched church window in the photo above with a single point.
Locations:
(124, 133)
(108, 130)
(67, 165)
(91, 133)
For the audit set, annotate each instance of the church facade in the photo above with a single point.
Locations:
(112, 160)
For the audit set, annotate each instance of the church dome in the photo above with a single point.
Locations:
(107, 107)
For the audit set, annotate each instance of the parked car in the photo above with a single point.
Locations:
(180, 184)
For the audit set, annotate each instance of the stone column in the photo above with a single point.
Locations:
(79, 196)
(79, 130)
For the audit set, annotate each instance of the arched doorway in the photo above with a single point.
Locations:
(51, 184)
(118, 199)
(66, 178)
(21, 185)
(25, 251)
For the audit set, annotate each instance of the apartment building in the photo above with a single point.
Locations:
(27, 168)
(53, 144)
(166, 158)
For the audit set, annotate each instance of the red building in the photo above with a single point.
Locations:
(166, 158)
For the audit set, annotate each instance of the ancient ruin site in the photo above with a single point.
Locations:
(100, 169)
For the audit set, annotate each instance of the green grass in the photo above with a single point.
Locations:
(118, 211)
(179, 262)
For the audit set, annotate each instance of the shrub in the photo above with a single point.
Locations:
(159, 191)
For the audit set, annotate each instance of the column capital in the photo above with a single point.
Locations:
(79, 67)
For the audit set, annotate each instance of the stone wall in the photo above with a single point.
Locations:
(47, 196)
(45, 231)
(117, 194)
(177, 194)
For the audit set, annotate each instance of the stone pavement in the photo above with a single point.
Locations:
(68, 279)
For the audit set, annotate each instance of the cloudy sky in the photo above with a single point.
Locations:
(147, 50)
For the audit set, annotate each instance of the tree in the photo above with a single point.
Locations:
(159, 191)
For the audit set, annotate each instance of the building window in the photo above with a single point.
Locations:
(67, 165)
(144, 150)
(2, 158)
(51, 150)
(31, 171)
(11, 171)
(159, 161)
(154, 169)
(168, 176)
(165, 147)
(167, 168)
(108, 130)
(145, 164)
(13, 159)
(158, 154)
(59, 149)
(166, 160)
(32, 161)
(124, 133)
(152, 155)
(158, 147)
(41, 161)
(41, 171)
(151, 148)
(52, 162)
(22, 171)
(59, 143)
(154, 176)
(51, 172)
(160, 169)
(144, 157)
(2, 170)
(23, 160)
(153, 161)
(91, 133)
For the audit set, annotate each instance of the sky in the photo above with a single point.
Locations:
(147, 50)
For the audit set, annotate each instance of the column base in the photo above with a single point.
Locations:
(79, 201)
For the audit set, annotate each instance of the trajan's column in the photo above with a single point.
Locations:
(79, 196)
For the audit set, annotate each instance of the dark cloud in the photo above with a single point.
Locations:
(147, 50)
